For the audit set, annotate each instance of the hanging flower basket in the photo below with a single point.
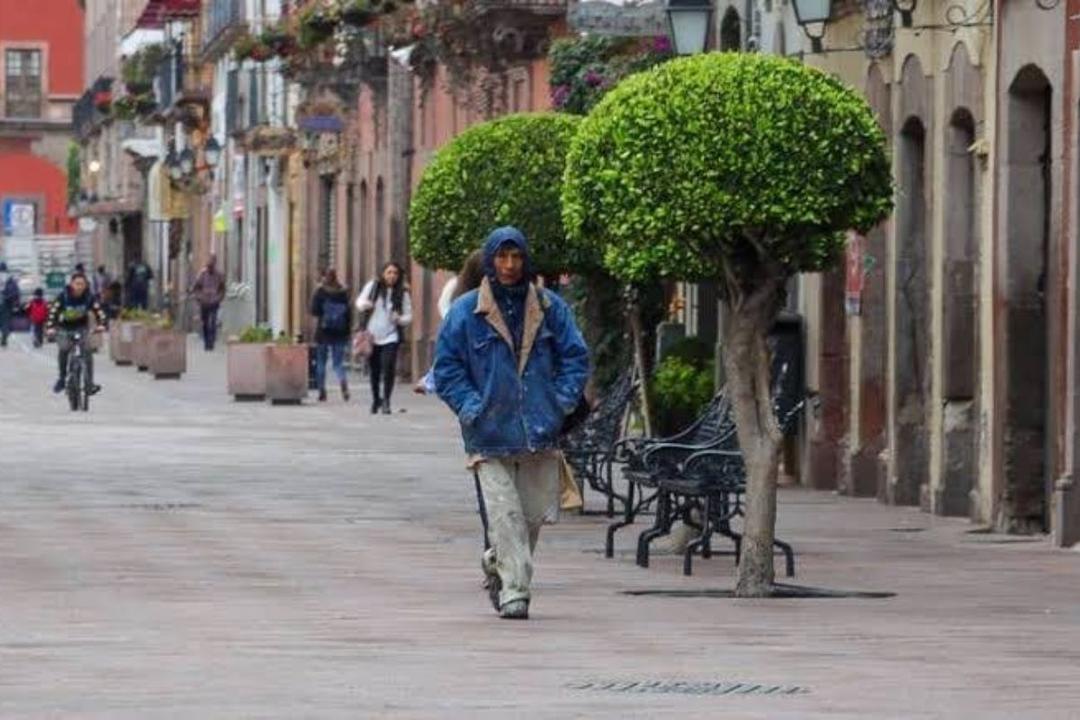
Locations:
(103, 100)
(317, 25)
(278, 40)
(359, 13)
(261, 53)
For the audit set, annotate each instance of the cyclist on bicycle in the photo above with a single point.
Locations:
(72, 312)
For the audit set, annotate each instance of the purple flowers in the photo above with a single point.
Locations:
(593, 79)
(559, 95)
(661, 44)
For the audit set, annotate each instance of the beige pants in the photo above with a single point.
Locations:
(519, 491)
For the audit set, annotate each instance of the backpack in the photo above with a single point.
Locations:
(335, 316)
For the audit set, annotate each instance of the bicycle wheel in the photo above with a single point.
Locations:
(74, 385)
(85, 394)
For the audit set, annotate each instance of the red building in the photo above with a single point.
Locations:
(41, 61)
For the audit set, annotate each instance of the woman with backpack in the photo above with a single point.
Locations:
(387, 300)
(330, 306)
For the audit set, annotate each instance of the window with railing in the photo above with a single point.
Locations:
(222, 15)
(22, 81)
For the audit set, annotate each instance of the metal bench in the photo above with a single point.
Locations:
(588, 448)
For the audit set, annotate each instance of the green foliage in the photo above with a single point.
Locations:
(680, 390)
(74, 172)
(256, 334)
(136, 315)
(729, 166)
(507, 171)
(693, 350)
(139, 68)
(584, 68)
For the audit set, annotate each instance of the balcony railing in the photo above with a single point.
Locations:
(86, 117)
(225, 21)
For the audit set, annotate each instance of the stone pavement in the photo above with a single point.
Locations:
(173, 554)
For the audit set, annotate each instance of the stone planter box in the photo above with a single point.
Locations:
(165, 352)
(122, 341)
(246, 370)
(139, 353)
(286, 373)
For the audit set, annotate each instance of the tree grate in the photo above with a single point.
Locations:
(686, 687)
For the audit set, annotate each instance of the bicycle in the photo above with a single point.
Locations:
(78, 387)
(78, 391)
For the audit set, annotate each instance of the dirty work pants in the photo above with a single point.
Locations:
(519, 491)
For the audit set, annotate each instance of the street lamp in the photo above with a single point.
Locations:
(187, 161)
(212, 151)
(689, 21)
(812, 16)
(172, 164)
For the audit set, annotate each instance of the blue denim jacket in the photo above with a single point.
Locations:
(507, 405)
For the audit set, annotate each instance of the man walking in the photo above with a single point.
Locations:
(139, 276)
(9, 302)
(209, 291)
(512, 364)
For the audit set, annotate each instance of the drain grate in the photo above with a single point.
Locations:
(685, 687)
(907, 529)
(162, 507)
(780, 592)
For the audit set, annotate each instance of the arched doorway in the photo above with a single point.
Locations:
(960, 327)
(1023, 506)
(731, 31)
(911, 308)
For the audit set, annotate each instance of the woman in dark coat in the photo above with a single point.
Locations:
(331, 307)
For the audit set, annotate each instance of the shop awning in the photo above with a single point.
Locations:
(157, 12)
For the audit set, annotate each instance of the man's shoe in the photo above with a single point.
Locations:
(59, 387)
(374, 406)
(322, 394)
(345, 391)
(515, 610)
(386, 408)
(95, 389)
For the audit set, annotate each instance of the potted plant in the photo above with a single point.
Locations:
(286, 371)
(278, 39)
(245, 358)
(244, 47)
(317, 25)
(122, 337)
(164, 349)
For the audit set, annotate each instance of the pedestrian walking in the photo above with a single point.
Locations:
(37, 310)
(139, 276)
(388, 305)
(9, 302)
(468, 278)
(330, 306)
(209, 291)
(512, 364)
(101, 281)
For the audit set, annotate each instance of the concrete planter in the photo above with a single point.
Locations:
(246, 370)
(122, 341)
(286, 373)
(166, 353)
(139, 353)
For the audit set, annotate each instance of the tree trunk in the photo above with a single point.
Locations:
(639, 364)
(747, 363)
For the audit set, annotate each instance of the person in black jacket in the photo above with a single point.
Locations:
(331, 308)
(72, 311)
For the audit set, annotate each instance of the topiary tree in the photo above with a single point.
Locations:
(742, 168)
(506, 171)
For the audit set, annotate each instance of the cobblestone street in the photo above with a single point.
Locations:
(172, 553)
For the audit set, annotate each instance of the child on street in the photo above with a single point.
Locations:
(38, 312)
